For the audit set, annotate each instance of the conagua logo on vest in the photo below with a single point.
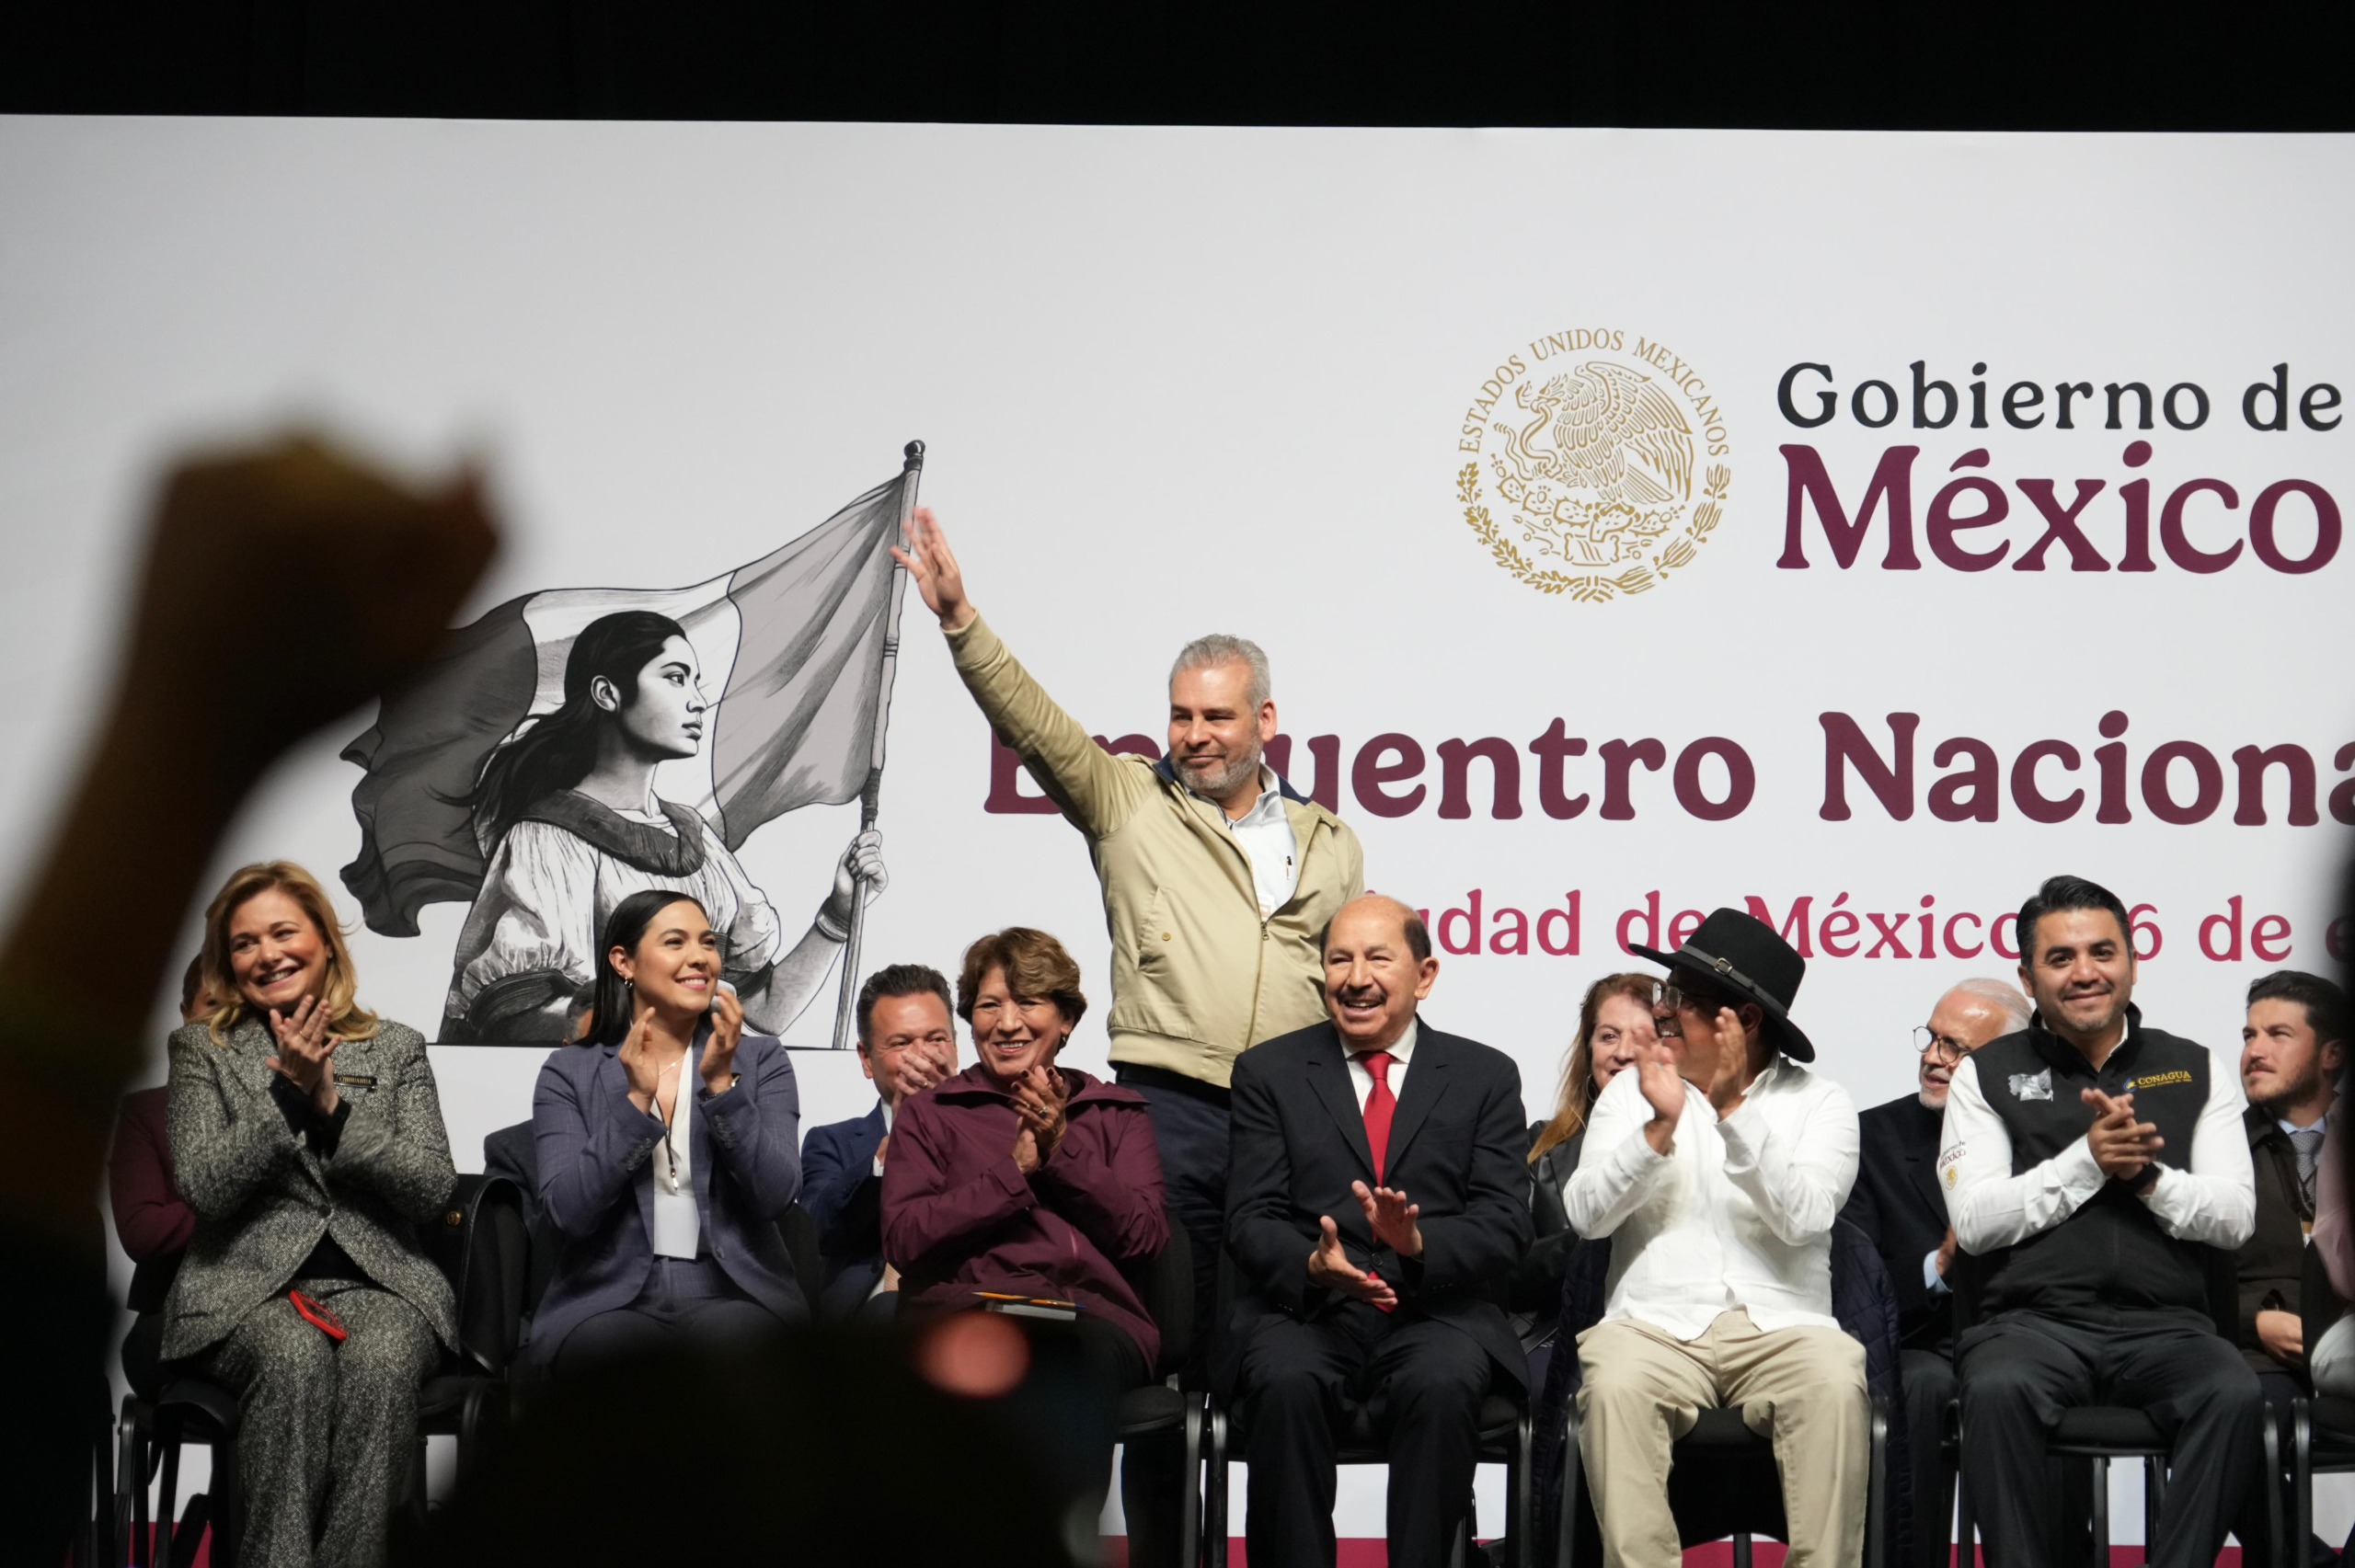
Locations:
(1596, 463)
(2156, 1081)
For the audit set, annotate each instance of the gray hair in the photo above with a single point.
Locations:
(1220, 648)
(2003, 994)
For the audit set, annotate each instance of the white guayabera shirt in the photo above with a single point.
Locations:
(1738, 1214)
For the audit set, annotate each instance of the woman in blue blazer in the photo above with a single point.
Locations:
(668, 1145)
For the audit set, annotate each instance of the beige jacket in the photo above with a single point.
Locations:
(1197, 975)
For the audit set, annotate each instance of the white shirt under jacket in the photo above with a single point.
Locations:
(1737, 1214)
(2214, 1200)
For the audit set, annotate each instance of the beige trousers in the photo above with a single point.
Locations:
(1803, 1386)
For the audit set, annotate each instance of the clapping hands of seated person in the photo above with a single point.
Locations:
(1663, 1090)
(2122, 1147)
(1039, 1097)
(727, 1033)
(305, 1056)
(1392, 1219)
(1329, 1266)
(918, 1069)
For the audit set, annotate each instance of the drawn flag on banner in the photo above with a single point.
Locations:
(791, 646)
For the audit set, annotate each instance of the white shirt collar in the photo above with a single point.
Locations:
(1268, 808)
(886, 1115)
(2322, 1123)
(1400, 1048)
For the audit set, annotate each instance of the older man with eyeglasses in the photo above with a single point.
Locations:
(1896, 1201)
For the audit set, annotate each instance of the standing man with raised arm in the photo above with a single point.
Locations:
(2090, 1165)
(1217, 878)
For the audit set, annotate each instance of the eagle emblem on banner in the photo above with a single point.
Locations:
(1593, 462)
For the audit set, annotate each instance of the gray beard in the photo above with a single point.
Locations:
(1219, 788)
(1927, 1102)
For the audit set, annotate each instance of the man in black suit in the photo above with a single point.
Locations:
(1896, 1201)
(1377, 1200)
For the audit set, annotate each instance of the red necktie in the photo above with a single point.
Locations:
(1380, 1105)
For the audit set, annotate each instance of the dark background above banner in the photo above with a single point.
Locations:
(1625, 63)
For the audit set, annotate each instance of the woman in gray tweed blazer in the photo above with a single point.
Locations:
(308, 1139)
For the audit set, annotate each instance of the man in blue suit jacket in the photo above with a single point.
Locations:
(907, 1043)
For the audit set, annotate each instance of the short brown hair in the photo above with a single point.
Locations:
(346, 1018)
(1035, 964)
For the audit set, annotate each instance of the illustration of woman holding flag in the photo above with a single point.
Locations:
(567, 816)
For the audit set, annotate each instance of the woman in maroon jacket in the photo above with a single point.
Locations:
(1021, 1178)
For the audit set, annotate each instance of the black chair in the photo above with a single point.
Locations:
(2322, 1428)
(1723, 1481)
(478, 1243)
(482, 1243)
(1165, 1283)
(1503, 1424)
(2099, 1434)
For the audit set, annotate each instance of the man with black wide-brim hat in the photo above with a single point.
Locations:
(1716, 1168)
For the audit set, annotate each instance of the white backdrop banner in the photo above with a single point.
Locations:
(1855, 529)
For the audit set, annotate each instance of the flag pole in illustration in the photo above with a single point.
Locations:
(870, 796)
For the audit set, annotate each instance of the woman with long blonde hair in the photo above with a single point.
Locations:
(307, 1133)
(1614, 1024)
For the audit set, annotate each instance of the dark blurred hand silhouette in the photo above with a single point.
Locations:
(281, 586)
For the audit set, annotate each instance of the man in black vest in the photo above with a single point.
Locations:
(2089, 1165)
(1896, 1201)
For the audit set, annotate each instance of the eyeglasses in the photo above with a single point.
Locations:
(1675, 996)
(1945, 1047)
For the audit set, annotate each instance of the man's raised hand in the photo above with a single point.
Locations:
(1392, 1219)
(1329, 1266)
(933, 567)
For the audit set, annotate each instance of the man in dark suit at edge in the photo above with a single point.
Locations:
(1897, 1203)
(1378, 1200)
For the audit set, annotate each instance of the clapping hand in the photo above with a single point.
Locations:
(305, 1053)
(2121, 1146)
(1732, 1080)
(1392, 1219)
(1039, 1102)
(918, 1070)
(1664, 1089)
(637, 1057)
(1329, 1266)
(934, 571)
(727, 1033)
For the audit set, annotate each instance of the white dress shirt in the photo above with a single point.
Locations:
(887, 1132)
(2210, 1199)
(1737, 1214)
(1265, 832)
(1362, 1076)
